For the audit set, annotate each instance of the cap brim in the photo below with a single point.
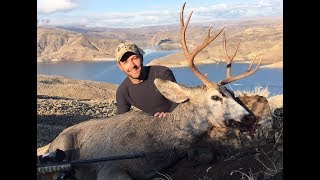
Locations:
(122, 54)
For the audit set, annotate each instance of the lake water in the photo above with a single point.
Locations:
(109, 72)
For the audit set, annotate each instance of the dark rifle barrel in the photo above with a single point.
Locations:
(138, 155)
(67, 165)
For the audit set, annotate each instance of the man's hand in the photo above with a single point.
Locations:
(161, 114)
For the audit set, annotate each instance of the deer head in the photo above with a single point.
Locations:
(219, 99)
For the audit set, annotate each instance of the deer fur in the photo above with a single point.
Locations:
(163, 140)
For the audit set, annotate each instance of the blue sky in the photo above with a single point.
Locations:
(139, 13)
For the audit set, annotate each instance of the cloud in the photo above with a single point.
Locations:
(51, 6)
(230, 10)
(43, 21)
(240, 10)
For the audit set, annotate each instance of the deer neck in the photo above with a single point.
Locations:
(187, 128)
(195, 122)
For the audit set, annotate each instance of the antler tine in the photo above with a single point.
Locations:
(190, 56)
(229, 60)
(183, 29)
(227, 57)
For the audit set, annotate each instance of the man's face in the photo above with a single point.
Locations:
(131, 65)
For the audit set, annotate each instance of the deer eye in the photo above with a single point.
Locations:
(216, 98)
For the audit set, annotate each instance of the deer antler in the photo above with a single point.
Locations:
(229, 60)
(190, 56)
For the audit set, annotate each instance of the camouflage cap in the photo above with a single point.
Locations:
(127, 47)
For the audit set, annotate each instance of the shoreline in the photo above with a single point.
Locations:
(278, 65)
(273, 65)
(93, 60)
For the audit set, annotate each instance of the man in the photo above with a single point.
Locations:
(138, 88)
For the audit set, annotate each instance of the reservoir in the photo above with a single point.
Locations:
(108, 71)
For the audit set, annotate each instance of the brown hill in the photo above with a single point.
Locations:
(62, 45)
(60, 87)
(257, 38)
(261, 37)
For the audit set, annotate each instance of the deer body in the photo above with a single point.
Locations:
(163, 140)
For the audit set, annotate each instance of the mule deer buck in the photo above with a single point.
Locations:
(164, 141)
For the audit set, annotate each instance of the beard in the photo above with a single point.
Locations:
(136, 73)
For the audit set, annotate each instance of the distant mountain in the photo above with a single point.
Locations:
(261, 37)
(62, 45)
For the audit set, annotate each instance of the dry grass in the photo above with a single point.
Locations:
(269, 171)
(258, 90)
(275, 102)
(163, 176)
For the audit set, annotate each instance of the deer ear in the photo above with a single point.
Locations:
(171, 90)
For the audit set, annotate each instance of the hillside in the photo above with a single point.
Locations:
(65, 88)
(260, 37)
(62, 45)
(62, 102)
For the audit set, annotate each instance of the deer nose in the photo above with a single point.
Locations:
(249, 119)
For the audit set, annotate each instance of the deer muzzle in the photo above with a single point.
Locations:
(246, 123)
